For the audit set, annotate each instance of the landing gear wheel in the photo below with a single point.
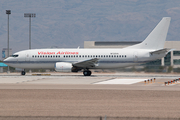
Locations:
(87, 73)
(23, 72)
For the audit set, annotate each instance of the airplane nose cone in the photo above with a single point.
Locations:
(9, 61)
(6, 60)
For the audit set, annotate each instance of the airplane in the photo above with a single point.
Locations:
(74, 60)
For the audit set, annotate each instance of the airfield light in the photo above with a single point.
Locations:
(30, 15)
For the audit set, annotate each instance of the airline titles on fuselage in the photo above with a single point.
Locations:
(57, 53)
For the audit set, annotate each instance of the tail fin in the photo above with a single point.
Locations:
(156, 39)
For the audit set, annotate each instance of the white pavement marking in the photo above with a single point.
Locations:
(17, 80)
(49, 80)
(121, 81)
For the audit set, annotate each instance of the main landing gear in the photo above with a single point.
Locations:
(23, 72)
(87, 73)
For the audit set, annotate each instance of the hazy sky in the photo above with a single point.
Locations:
(68, 23)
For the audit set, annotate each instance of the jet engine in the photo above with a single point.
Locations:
(66, 67)
(63, 67)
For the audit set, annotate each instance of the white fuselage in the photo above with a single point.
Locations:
(107, 58)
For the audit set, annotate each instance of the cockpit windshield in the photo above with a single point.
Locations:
(15, 55)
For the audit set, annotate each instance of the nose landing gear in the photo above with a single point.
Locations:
(23, 72)
(87, 73)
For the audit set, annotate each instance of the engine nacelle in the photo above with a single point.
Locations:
(63, 67)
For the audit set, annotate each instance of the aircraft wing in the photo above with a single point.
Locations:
(86, 63)
(165, 50)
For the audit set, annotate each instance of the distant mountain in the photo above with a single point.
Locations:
(68, 23)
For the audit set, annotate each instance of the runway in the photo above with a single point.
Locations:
(75, 97)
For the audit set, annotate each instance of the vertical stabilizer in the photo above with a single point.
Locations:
(156, 39)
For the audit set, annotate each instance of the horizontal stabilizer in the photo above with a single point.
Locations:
(164, 51)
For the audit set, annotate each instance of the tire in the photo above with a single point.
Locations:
(87, 73)
(23, 72)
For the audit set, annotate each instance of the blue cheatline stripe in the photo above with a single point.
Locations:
(39, 62)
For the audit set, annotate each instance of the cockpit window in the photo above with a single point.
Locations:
(15, 55)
